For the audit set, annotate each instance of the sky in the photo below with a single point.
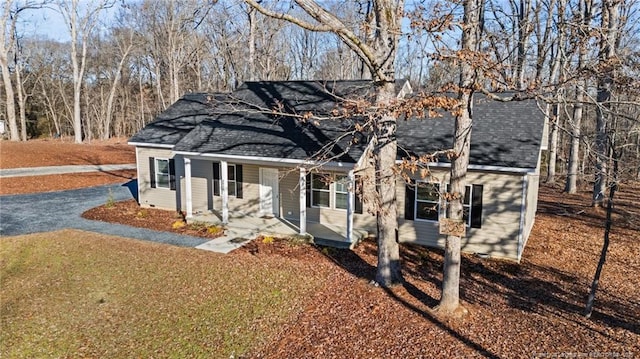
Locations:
(48, 22)
(44, 22)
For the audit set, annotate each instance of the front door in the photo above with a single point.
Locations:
(269, 200)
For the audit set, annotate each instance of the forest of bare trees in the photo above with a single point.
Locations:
(581, 56)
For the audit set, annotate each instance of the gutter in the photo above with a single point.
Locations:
(157, 145)
(484, 168)
(262, 160)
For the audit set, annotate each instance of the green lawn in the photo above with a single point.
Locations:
(79, 294)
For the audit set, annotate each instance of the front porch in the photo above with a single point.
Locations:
(241, 229)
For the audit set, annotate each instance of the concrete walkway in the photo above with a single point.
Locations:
(51, 170)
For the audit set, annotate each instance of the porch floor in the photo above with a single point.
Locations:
(242, 229)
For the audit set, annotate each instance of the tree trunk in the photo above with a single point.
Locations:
(389, 267)
(10, 101)
(610, 24)
(8, 24)
(21, 103)
(112, 94)
(450, 299)
(471, 33)
(523, 41)
(605, 244)
(553, 145)
(571, 185)
(252, 44)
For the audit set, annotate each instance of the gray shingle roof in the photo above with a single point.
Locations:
(506, 134)
(178, 120)
(247, 126)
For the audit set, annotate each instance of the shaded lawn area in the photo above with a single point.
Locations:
(80, 294)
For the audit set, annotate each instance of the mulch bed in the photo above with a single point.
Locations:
(130, 213)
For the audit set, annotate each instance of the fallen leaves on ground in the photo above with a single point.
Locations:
(531, 309)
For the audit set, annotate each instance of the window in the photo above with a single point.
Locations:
(162, 173)
(320, 190)
(231, 179)
(341, 192)
(427, 201)
(466, 204)
(332, 191)
(423, 202)
(234, 180)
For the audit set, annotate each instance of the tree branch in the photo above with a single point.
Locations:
(328, 23)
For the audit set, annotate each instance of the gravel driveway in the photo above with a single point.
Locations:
(50, 211)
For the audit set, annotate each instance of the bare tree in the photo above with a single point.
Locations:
(378, 53)
(607, 62)
(8, 19)
(80, 23)
(124, 39)
(472, 25)
(557, 78)
(581, 38)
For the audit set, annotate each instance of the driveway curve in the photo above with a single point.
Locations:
(50, 211)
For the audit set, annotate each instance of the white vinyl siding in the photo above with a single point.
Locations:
(148, 195)
(501, 203)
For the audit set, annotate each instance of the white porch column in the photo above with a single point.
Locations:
(187, 187)
(224, 190)
(303, 201)
(350, 205)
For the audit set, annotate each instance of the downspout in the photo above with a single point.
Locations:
(302, 184)
(525, 185)
(224, 191)
(350, 206)
(138, 172)
(187, 187)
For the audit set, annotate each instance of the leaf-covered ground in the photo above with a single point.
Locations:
(36, 153)
(531, 309)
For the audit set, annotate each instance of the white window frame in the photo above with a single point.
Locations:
(323, 177)
(231, 171)
(332, 189)
(340, 179)
(157, 174)
(438, 202)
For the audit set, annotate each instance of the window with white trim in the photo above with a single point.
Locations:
(466, 204)
(320, 190)
(427, 201)
(234, 180)
(231, 180)
(162, 173)
(424, 201)
(341, 192)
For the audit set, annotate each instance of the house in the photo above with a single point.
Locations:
(256, 152)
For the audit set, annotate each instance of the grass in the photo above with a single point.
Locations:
(79, 294)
